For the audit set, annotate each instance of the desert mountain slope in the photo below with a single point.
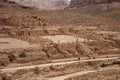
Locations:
(45, 4)
(107, 14)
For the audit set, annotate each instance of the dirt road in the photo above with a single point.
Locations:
(49, 64)
(63, 77)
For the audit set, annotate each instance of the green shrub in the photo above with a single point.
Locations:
(22, 55)
(103, 65)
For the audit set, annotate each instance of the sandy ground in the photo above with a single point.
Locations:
(11, 43)
(64, 38)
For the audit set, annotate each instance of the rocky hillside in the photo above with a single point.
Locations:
(44, 4)
(107, 14)
(22, 20)
(79, 3)
(13, 14)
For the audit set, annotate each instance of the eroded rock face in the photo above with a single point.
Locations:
(17, 19)
(45, 4)
(78, 3)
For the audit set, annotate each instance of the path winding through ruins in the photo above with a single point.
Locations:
(57, 63)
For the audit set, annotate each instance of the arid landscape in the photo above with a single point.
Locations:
(59, 40)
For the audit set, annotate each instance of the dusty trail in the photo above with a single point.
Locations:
(63, 77)
(70, 75)
(57, 63)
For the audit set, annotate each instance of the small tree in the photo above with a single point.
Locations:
(22, 54)
(103, 65)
